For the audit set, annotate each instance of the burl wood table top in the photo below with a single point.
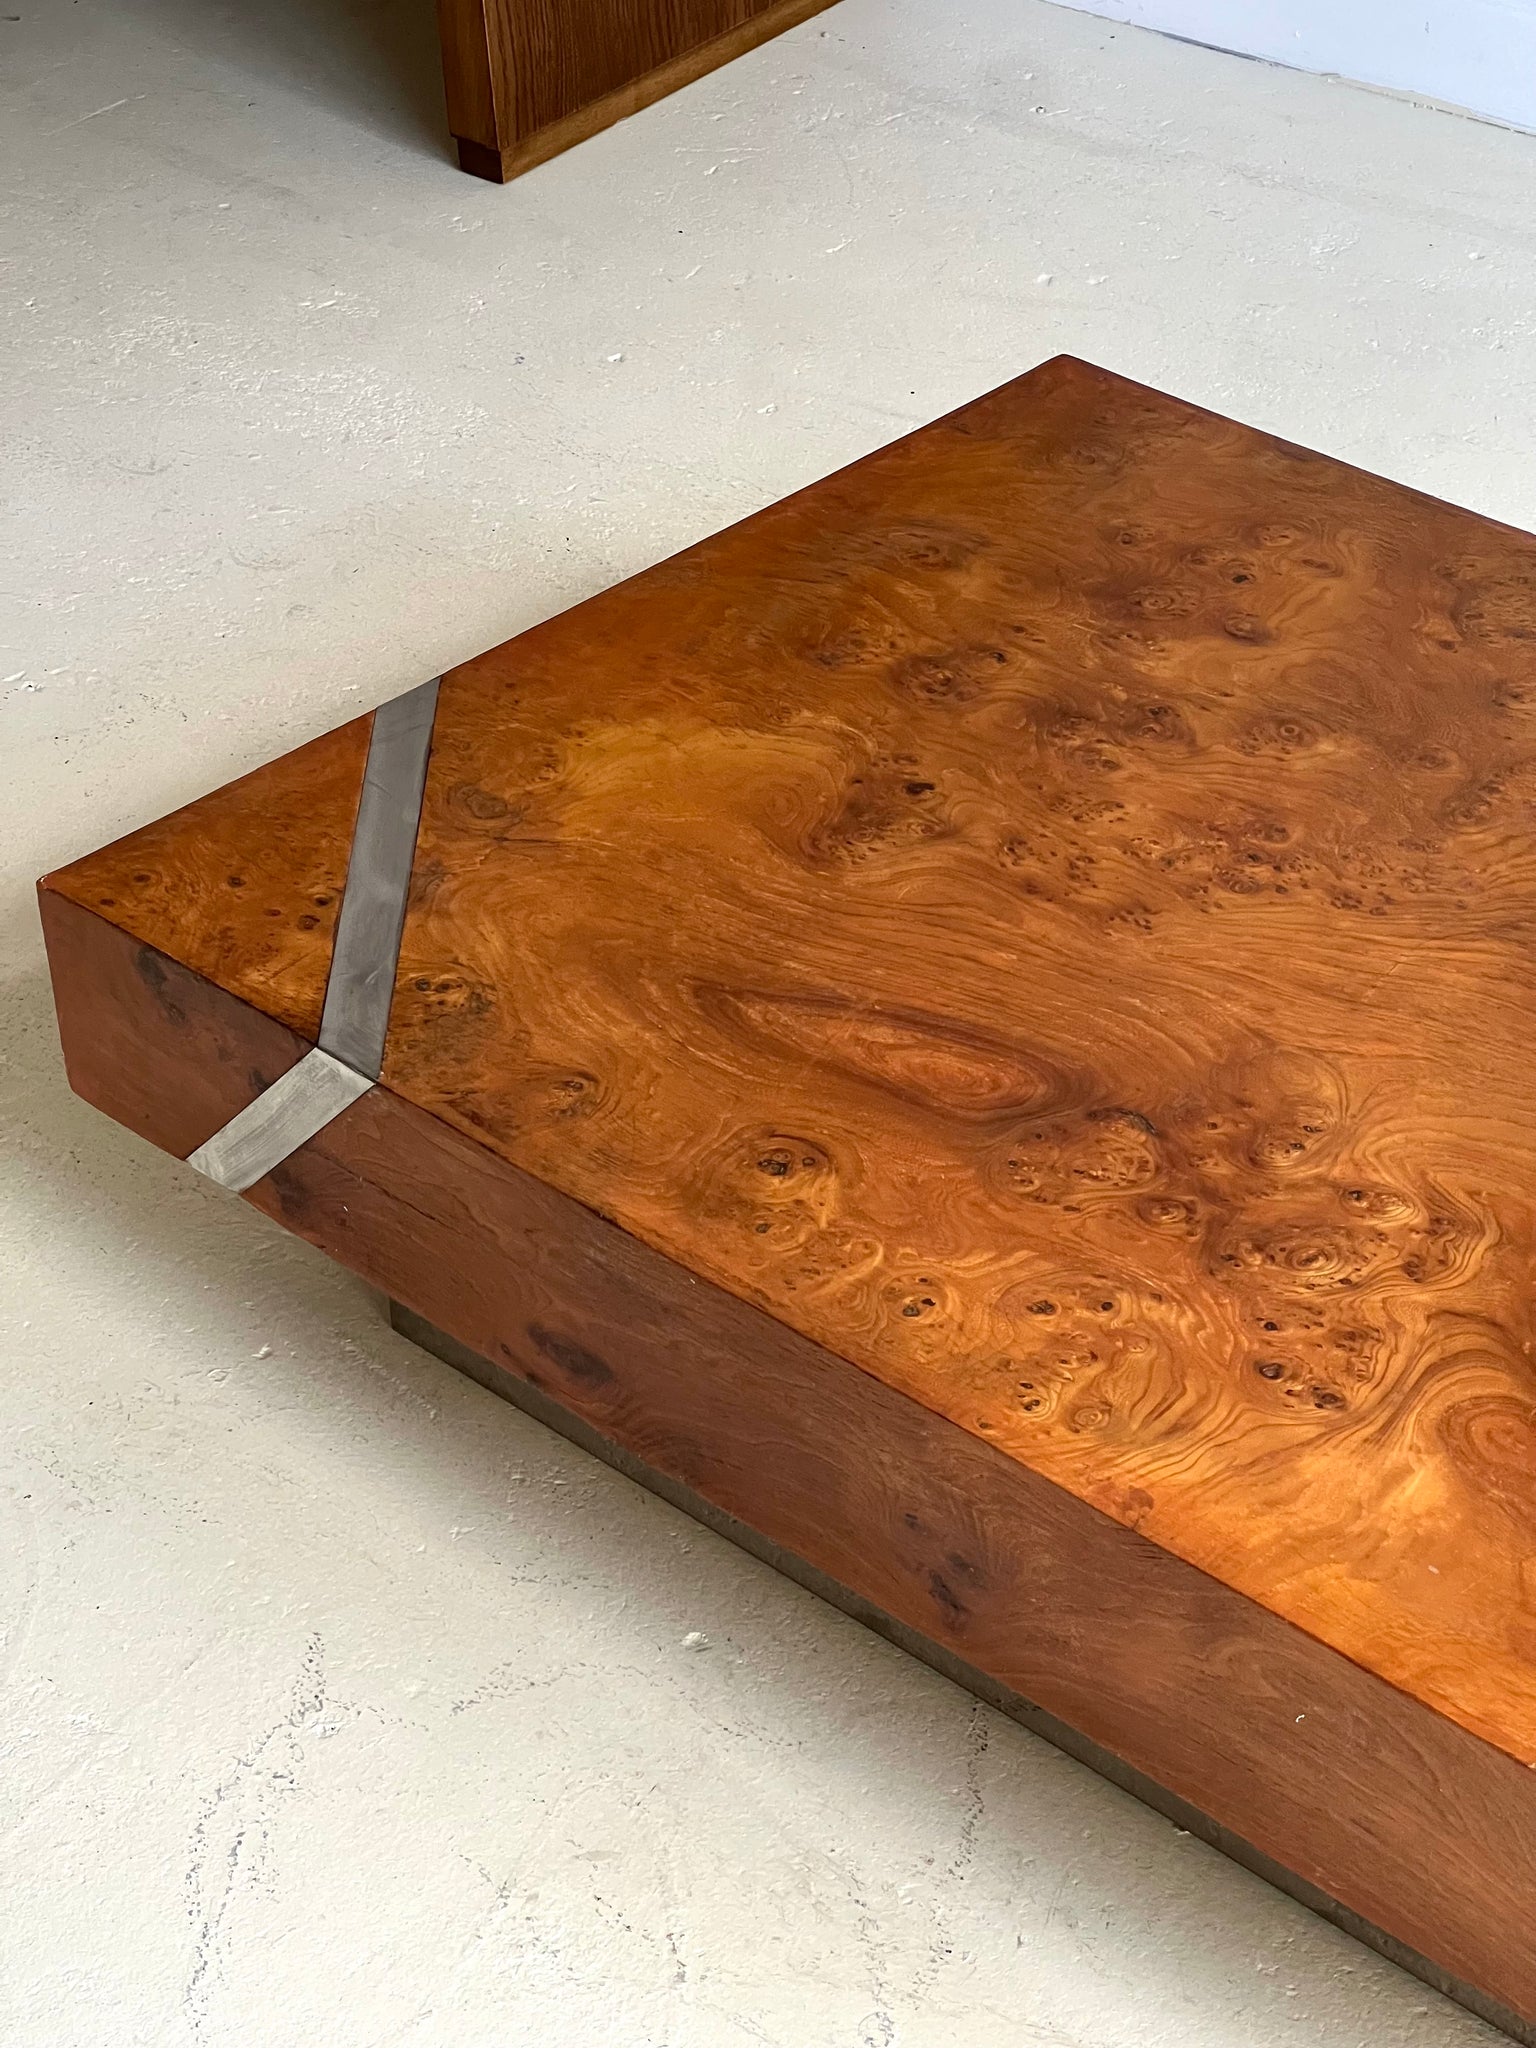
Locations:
(1048, 913)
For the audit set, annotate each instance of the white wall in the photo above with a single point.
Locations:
(1479, 54)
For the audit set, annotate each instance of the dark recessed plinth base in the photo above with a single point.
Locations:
(481, 162)
(534, 1402)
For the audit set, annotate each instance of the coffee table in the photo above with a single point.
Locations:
(975, 1028)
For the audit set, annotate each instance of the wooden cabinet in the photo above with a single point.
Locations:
(527, 78)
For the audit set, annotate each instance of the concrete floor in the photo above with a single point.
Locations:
(339, 1704)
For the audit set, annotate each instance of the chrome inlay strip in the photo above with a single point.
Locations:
(280, 1120)
(364, 958)
(367, 946)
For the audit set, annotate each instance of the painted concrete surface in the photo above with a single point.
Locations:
(338, 1703)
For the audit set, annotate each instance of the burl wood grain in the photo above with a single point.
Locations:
(526, 79)
(1047, 914)
(1391, 1808)
(244, 886)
